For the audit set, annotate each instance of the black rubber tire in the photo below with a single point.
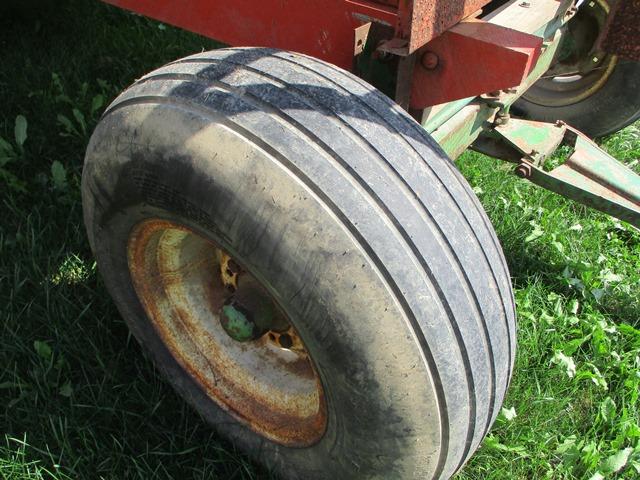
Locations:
(368, 236)
(611, 108)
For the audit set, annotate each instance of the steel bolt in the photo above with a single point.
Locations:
(523, 170)
(430, 60)
(502, 118)
(525, 4)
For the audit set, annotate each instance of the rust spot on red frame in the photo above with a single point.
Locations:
(622, 35)
(423, 20)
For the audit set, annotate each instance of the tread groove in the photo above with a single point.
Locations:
(454, 172)
(451, 167)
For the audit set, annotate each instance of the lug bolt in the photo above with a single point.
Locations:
(429, 60)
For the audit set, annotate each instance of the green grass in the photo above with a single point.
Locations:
(79, 400)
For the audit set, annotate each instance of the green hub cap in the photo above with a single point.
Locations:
(238, 323)
(242, 324)
(250, 313)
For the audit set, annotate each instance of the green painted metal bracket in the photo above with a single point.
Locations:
(589, 175)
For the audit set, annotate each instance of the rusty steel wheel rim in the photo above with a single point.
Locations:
(227, 333)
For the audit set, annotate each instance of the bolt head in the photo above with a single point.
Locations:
(523, 170)
(429, 60)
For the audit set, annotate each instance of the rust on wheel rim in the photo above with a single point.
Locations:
(195, 294)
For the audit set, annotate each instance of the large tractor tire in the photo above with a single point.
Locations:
(304, 263)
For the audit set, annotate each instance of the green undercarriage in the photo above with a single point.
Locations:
(588, 175)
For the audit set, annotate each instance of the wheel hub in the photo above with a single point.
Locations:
(225, 329)
(580, 68)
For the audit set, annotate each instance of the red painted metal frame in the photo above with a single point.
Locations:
(474, 57)
(321, 28)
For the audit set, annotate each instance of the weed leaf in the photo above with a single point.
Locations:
(66, 390)
(58, 175)
(617, 461)
(508, 413)
(77, 114)
(607, 409)
(20, 130)
(567, 362)
(68, 125)
(495, 444)
(42, 349)
(96, 103)
(537, 232)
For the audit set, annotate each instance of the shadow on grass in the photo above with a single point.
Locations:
(527, 261)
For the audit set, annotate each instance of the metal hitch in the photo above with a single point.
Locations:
(589, 175)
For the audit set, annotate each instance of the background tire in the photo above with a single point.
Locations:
(609, 109)
(354, 220)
